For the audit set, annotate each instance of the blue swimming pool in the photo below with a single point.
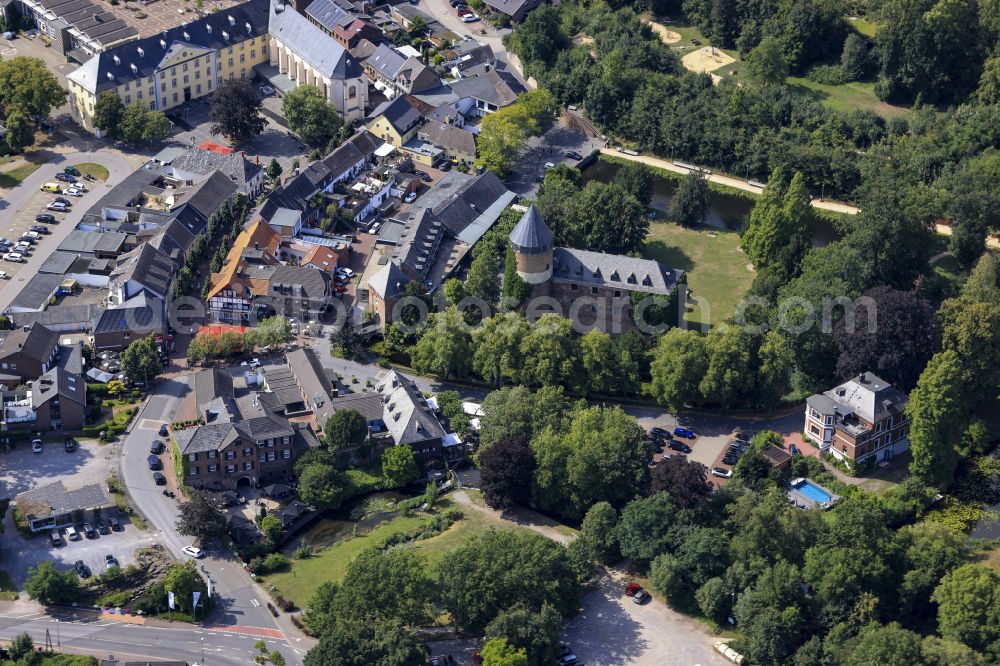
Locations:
(816, 493)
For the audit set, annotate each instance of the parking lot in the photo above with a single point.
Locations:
(90, 463)
(611, 630)
(551, 147)
(24, 218)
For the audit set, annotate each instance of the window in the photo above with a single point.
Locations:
(253, 54)
(128, 100)
(197, 74)
(285, 440)
(593, 290)
(126, 85)
(184, 67)
(243, 57)
(163, 87)
(263, 457)
(248, 465)
(230, 455)
(193, 471)
(352, 92)
(270, 455)
(197, 89)
(211, 455)
(230, 62)
(152, 105)
(192, 457)
(152, 91)
(247, 452)
(175, 98)
(286, 454)
(213, 468)
(230, 469)
(618, 294)
(173, 83)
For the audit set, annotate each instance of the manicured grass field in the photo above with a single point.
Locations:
(866, 28)
(13, 178)
(96, 170)
(715, 264)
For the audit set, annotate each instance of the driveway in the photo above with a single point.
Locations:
(611, 630)
(19, 206)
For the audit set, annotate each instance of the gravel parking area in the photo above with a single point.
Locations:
(21, 470)
(611, 630)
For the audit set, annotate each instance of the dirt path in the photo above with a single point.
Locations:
(728, 181)
(510, 519)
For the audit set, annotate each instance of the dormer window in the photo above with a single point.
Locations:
(163, 43)
(140, 52)
(187, 38)
(209, 28)
(631, 278)
(597, 274)
(225, 35)
(232, 21)
(117, 60)
(614, 277)
(647, 282)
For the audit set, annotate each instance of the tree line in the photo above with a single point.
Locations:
(850, 586)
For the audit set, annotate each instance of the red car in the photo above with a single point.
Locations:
(632, 588)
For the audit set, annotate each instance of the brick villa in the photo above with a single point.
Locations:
(862, 420)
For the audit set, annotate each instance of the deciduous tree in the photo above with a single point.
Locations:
(311, 116)
(507, 468)
(690, 203)
(235, 111)
(399, 466)
(968, 602)
(644, 527)
(321, 485)
(537, 633)
(47, 585)
(685, 480)
(387, 585)
(199, 517)
(382, 643)
(345, 427)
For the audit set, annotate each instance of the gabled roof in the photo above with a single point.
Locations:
(614, 271)
(54, 499)
(173, 239)
(321, 257)
(497, 88)
(58, 383)
(140, 314)
(201, 162)
(314, 285)
(113, 67)
(328, 14)
(147, 266)
(311, 44)
(388, 281)
(36, 343)
(472, 197)
(449, 137)
(531, 235)
(406, 413)
(258, 236)
(359, 147)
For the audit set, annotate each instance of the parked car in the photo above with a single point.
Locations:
(14, 256)
(157, 447)
(36, 445)
(101, 527)
(470, 18)
(80, 186)
(45, 217)
(5, 242)
(631, 589)
(51, 187)
(110, 560)
(89, 530)
(65, 177)
(641, 597)
(73, 192)
(159, 479)
(549, 165)
(58, 207)
(722, 472)
(345, 271)
(196, 553)
(568, 660)
(410, 198)
(69, 445)
(23, 247)
(573, 155)
(62, 200)
(678, 446)
(40, 229)
(81, 569)
(154, 463)
(72, 534)
(31, 236)
(114, 524)
(4, 276)
(684, 432)
(55, 538)
(71, 170)
(163, 431)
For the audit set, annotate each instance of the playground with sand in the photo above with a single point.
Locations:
(706, 59)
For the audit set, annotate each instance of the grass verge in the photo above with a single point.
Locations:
(13, 178)
(846, 97)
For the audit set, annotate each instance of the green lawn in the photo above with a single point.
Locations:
(96, 170)
(846, 97)
(8, 591)
(866, 28)
(330, 563)
(715, 264)
(13, 178)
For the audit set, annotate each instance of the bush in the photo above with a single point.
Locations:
(830, 75)
(269, 564)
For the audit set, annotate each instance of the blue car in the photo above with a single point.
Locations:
(684, 432)
(154, 462)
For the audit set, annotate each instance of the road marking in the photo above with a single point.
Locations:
(255, 603)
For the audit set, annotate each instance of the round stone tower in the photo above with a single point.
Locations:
(531, 241)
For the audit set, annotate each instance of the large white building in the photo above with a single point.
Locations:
(308, 56)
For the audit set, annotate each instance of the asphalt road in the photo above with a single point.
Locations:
(99, 637)
(241, 604)
(19, 206)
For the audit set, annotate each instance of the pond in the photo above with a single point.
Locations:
(726, 211)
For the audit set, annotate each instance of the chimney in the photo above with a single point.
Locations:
(861, 379)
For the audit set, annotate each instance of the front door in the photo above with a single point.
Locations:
(187, 94)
